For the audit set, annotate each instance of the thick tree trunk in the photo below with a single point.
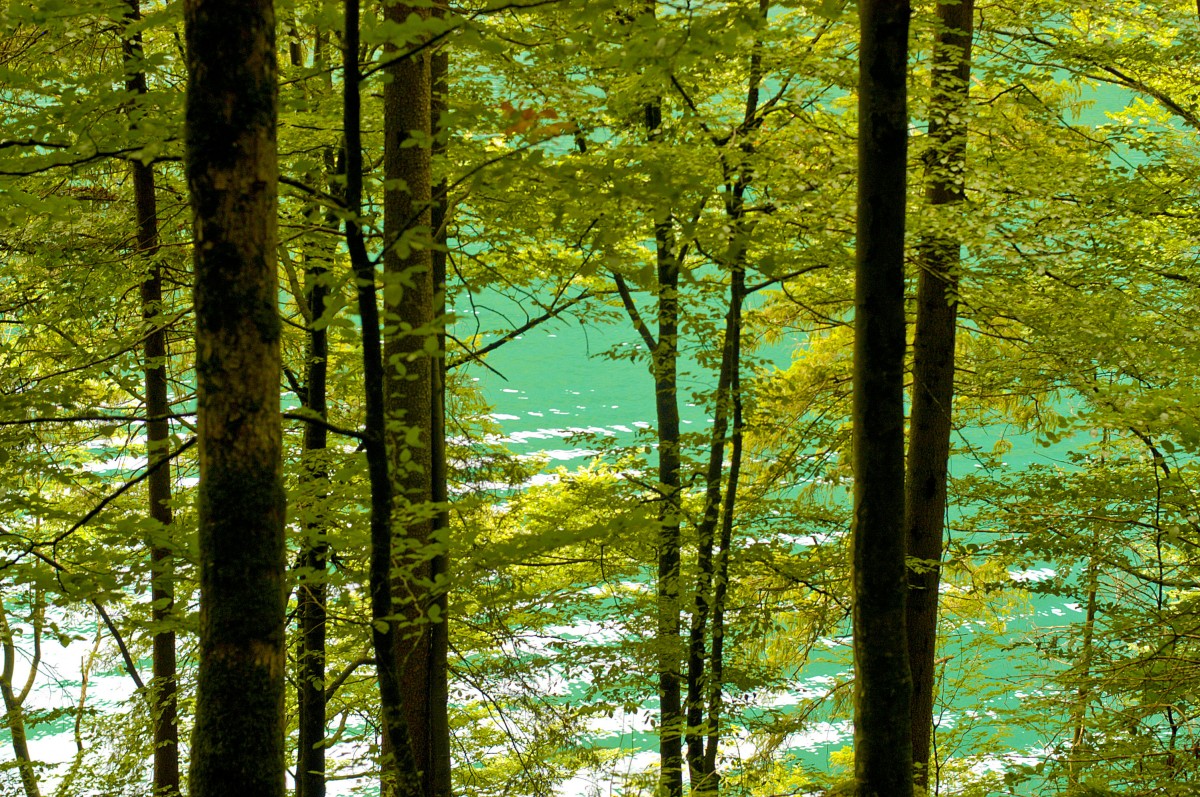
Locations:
(933, 367)
(883, 686)
(238, 742)
(158, 447)
(408, 330)
(401, 774)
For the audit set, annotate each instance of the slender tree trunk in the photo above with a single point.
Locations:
(882, 686)
(311, 614)
(716, 685)
(238, 742)
(664, 353)
(66, 786)
(664, 367)
(705, 537)
(439, 647)
(158, 446)
(700, 687)
(400, 772)
(1083, 694)
(14, 702)
(664, 358)
(703, 756)
(310, 759)
(706, 530)
(933, 367)
(314, 544)
(408, 386)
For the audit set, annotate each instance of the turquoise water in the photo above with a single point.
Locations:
(554, 382)
(554, 379)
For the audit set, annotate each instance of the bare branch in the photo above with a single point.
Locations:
(634, 315)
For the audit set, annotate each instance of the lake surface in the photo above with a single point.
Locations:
(545, 387)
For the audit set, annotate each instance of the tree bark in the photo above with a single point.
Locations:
(310, 759)
(933, 366)
(312, 591)
(238, 742)
(158, 448)
(883, 686)
(664, 359)
(400, 772)
(705, 537)
(716, 685)
(409, 363)
(311, 614)
(702, 754)
(664, 368)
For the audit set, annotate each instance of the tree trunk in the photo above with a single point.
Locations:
(312, 591)
(310, 759)
(705, 778)
(408, 368)
(933, 367)
(14, 702)
(705, 537)
(1083, 693)
(703, 739)
(311, 614)
(664, 358)
(716, 686)
(439, 647)
(158, 448)
(238, 742)
(883, 686)
(664, 355)
(400, 772)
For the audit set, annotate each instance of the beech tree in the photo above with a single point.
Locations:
(930, 424)
(410, 358)
(238, 740)
(882, 683)
(158, 407)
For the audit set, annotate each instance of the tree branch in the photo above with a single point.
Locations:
(553, 312)
(634, 315)
(108, 499)
(130, 667)
(345, 674)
